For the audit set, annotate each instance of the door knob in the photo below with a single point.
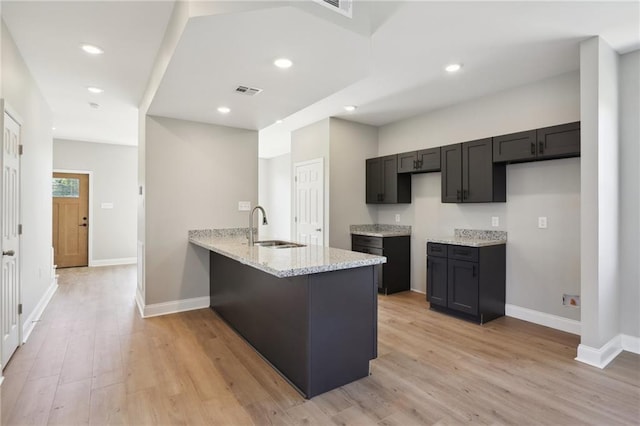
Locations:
(318, 229)
(84, 224)
(8, 253)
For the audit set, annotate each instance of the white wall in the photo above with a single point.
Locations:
(350, 145)
(114, 180)
(21, 92)
(542, 264)
(195, 175)
(629, 234)
(275, 196)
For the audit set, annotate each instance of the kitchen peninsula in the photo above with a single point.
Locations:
(310, 311)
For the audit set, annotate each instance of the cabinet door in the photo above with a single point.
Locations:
(451, 164)
(462, 286)
(477, 171)
(407, 162)
(559, 141)
(437, 280)
(428, 160)
(519, 146)
(390, 179)
(374, 181)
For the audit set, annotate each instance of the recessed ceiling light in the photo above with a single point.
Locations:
(224, 110)
(453, 67)
(283, 63)
(94, 105)
(95, 89)
(53, 128)
(91, 49)
(350, 108)
(279, 121)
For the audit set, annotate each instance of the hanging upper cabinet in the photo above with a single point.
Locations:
(542, 144)
(384, 184)
(423, 161)
(469, 174)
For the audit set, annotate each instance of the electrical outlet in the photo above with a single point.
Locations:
(397, 218)
(542, 222)
(495, 221)
(244, 206)
(571, 300)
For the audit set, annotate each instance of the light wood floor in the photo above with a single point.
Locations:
(93, 360)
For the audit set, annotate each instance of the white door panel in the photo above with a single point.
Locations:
(309, 202)
(10, 195)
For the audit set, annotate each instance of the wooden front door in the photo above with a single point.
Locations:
(70, 219)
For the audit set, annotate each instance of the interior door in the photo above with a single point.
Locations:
(70, 219)
(10, 188)
(309, 202)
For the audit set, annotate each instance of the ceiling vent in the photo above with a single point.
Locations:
(343, 7)
(248, 91)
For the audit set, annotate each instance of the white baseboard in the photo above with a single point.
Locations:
(140, 302)
(32, 320)
(630, 343)
(114, 262)
(1, 376)
(174, 306)
(542, 318)
(417, 291)
(600, 357)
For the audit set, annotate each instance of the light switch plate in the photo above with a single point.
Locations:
(397, 218)
(542, 222)
(106, 205)
(244, 206)
(495, 221)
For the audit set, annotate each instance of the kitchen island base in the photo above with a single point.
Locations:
(318, 330)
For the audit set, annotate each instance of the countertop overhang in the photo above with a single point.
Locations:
(282, 263)
(472, 238)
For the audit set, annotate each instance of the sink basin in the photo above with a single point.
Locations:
(278, 244)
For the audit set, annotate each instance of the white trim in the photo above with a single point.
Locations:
(631, 343)
(417, 291)
(542, 318)
(600, 357)
(29, 324)
(1, 376)
(91, 215)
(140, 302)
(113, 262)
(175, 306)
(325, 218)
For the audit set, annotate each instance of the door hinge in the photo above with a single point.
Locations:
(20, 309)
(20, 149)
(295, 219)
(295, 179)
(20, 229)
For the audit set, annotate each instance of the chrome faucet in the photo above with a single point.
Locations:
(264, 222)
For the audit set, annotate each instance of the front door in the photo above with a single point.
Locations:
(309, 202)
(10, 195)
(70, 219)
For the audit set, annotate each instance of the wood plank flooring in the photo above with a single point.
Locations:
(93, 360)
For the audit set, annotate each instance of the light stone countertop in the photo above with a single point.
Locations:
(285, 262)
(380, 230)
(472, 238)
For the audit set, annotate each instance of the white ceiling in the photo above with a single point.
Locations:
(388, 60)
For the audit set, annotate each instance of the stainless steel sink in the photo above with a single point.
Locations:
(279, 244)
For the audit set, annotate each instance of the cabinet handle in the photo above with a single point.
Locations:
(419, 164)
(533, 148)
(458, 195)
(465, 194)
(415, 164)
(540, 147)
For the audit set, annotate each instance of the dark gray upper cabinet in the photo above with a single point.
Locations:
(423, 161)
(469, 174)
(542, 144)
(384, 185)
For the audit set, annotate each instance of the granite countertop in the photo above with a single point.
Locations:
(286, 262)
(380, 230)
(472, 238)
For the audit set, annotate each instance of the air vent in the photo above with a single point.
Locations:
(248, 91)
(343, 7)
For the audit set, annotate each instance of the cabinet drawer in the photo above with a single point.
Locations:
(368, 250)
(463, 253)
(436, 249)
(363, 240)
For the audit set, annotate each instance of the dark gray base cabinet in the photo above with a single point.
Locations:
(319, 330)
(468, 282)
(395, 275)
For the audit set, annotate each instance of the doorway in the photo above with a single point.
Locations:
(309, 201)
(70, 219)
